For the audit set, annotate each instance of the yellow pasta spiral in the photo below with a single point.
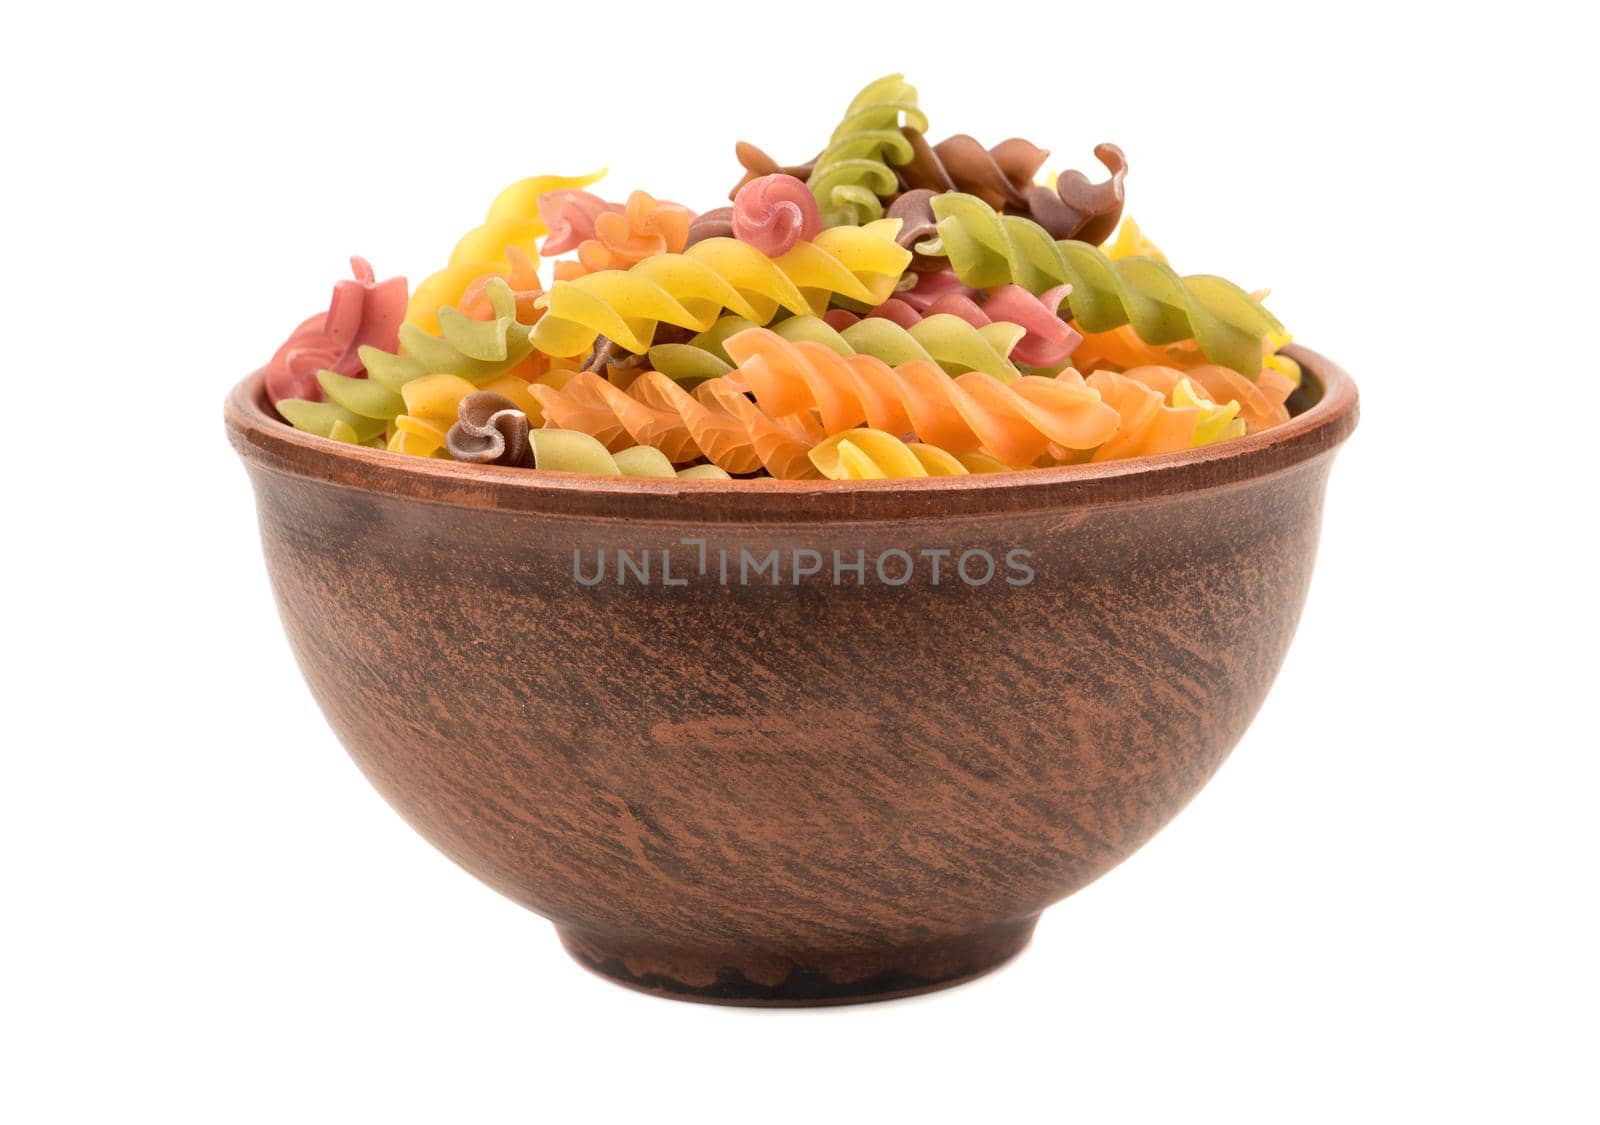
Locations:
(867, 454)
(431, 406)
(567, 451)
(513, 221)
(692, 289)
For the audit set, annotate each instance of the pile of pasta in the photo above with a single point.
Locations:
(893, 307)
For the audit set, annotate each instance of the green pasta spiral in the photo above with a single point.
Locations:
(941, 339)
(854, 171)
(476, 350)
(988, 249)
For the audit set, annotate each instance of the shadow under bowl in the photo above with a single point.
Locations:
(768, 742)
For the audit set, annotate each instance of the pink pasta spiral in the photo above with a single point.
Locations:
(363, 311)
(930, 287)
(1048, 342)
(1050, 339)
(774, 212)
(570, 215)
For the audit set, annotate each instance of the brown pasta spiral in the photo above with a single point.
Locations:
(998, 176)
(918, 223)
(1078, 208)
(490, 430)
(757, 164)
(1002, 177)
(717, 223)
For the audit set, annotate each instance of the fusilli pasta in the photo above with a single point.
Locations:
(618, 236)
(867, 454)
(692, 289)
(1015, 424)
(1155, 422)
(943, 339)
(476, 351)
(853, 172)
(513, 221)
(988, 249)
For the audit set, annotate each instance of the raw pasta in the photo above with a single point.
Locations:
(805, 390)
(513, 221)
(1015, 424)
(363, 311)
(944, 339)
(988, 249)
(773, 213)
(566, 451)
(491, 429)
(475, 350)
(692, 289)
(1152, 422)
(997, 175)
(613, 236)
(867, 454)
(723, 427)
(797, 333)
(854, 171)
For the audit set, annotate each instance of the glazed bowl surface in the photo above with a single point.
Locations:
(776, 742)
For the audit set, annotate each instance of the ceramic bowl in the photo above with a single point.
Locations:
(772, 742)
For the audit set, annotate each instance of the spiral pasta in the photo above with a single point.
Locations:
(757, 164)
(853, 172)
(774, 212)
(1261, 400)
(1015, 424)
(513, 221)
(942, 338)
(1153, 422)
(714, 422)
(895, 306)
(620, 237)
(1045, 342)
(363, 310)
(491, 429)
(433, 405)
(804, 391)
(988, 249)
(1073, 206)
(1123, 347)
(997, 175)
(330, 420)
(475, 350)
(691, 289)
(567, 451)
(867, 454)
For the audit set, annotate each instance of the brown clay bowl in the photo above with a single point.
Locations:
(808, 792)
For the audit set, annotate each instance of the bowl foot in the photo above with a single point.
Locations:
(766, 978)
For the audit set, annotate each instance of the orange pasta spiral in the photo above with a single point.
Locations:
(1261, 400)
(805, 392)
(1016, 423)
(715, 422)
(643, 227)
(1160, 411)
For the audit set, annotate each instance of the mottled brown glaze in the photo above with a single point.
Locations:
(806, 793)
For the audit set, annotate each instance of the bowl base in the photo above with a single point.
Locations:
(770, 979)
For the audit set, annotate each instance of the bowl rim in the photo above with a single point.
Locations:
(264, 441)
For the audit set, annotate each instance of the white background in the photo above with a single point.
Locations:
(1382, 909)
